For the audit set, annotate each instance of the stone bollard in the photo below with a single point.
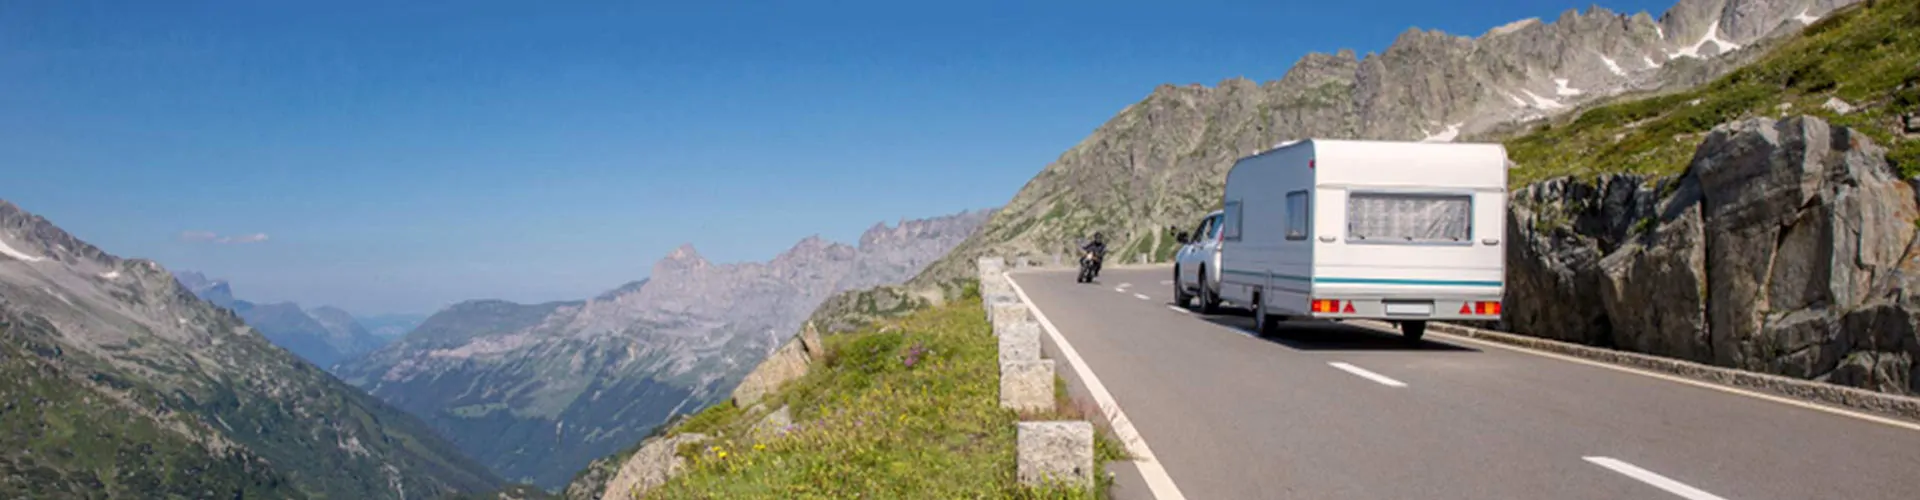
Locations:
(1020, 341)
(1027, 385)
(990, 265)
(1059, 452)
(1003, 314)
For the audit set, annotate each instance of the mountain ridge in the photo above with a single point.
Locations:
(125, 334)
(583, 379)
(1158, 162)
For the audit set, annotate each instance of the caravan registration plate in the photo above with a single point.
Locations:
(1410, 308)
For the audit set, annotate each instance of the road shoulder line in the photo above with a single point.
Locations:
(1817, 396)
(1150, 469)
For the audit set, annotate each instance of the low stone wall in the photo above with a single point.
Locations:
(1050, 452)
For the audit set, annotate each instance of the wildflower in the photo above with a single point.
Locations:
(723, 454)
(758, 447)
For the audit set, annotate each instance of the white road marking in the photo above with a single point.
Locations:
(1124, 285)
(1683, 380)
(1649, 477)
(1142, 296)
(1363, 373)
(1121, 290)
(1166, 282)
(1178, 309)
(1158, 482)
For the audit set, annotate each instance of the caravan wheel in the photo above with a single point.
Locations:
(1412, 330)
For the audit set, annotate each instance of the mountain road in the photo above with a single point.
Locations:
(1328, 410)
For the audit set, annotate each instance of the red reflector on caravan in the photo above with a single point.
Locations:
(1310, 163)
(1349, 307)
(1466, 308)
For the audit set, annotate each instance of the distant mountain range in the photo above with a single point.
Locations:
(1160, 162)
(116, 381)
(537, 391)
(323, 335)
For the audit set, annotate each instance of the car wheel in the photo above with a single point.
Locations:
(1209, 302)
(1180, 296)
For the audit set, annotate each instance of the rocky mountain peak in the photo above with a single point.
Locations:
(682, 259)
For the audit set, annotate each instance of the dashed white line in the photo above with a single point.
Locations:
(1158, 482)
(1142, 296)
(1649, 477)
(1178, 309)
(1124, 285)
(1121, 290)
(1363, 373)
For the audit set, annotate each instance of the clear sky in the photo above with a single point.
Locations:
(401, 156)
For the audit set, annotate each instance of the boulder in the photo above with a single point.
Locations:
(788, 362)
(773, 425)
(1057, 453)
(651, 466)
(1786, 247)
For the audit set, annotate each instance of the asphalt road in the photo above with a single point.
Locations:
(1332, 411)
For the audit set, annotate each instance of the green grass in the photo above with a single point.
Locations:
(1867, 56)
(867, 424)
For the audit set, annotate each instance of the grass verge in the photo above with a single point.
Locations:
(907, 408)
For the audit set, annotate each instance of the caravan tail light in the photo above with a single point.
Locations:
(1482, 308)
(1331, 306)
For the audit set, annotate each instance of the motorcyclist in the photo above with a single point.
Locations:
(1097, 247)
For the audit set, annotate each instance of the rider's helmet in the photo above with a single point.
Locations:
(1099, 238)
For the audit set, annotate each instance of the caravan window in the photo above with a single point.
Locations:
(1232, 221)
(1410, 217)
(1298, 211)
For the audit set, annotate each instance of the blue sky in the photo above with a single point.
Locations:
(398, 157)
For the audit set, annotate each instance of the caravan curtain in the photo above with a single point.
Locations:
(1409, 217)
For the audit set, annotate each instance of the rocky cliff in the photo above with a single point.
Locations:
(538, 391)
(1160, 162)
(1786, 247)
(120, 382)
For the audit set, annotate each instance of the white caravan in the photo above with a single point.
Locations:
(1400, 231)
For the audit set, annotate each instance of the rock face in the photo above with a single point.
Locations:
(177, 397)
(1160, 162)
(788, 362)
(539, 391)
(652, 466)
(1786, 247)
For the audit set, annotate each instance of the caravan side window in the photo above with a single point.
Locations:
(1298, 215)
(1444, 218)
(1232, 220)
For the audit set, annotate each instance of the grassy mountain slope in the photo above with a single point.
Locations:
(132, 375)
(1865, 56)
(66, 437)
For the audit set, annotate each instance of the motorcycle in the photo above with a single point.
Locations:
(1089, 267)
